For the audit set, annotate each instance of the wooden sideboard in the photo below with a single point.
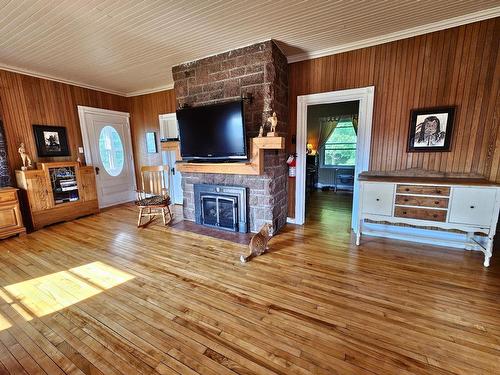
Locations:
(468, 205)
(57, 192)
(11, 221)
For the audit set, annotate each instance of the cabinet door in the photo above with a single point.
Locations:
(472, 206)
(10, 216)
(87, 183)
(39, 192)
(378, 198)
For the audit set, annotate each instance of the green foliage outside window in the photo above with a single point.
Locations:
(340, 149)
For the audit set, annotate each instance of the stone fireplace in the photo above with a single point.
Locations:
(262, 71)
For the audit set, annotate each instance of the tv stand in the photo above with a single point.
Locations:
(255, 166)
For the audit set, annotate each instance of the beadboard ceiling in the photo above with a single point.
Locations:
(129, 46)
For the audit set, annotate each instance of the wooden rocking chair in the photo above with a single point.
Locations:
(154, 195)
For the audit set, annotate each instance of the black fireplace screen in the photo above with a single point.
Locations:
(220, 211)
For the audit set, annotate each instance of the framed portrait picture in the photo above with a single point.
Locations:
(51, 140)
(430, 129)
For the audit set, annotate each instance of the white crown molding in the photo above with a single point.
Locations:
(31, 73)
(403, 34)
(170, 86)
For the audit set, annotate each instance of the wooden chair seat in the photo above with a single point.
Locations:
(156, 200)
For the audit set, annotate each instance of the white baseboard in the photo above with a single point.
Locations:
(290, 220)
(427, 236)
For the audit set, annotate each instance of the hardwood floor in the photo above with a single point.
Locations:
(99, 296)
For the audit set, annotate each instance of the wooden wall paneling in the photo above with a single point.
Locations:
(144, 112)
(458, 66)
(28, 100)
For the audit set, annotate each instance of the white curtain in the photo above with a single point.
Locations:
(326, 127)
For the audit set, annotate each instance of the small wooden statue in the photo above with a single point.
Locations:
(258, 243)
(261, 131)
(274, 122)
(24, 157)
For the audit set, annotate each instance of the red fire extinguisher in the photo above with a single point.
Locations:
(292, 166)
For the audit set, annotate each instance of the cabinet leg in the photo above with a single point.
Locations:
(358, 235)
(487, 254)
(470, 243)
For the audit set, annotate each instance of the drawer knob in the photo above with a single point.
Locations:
(472, 206)
(378, 200)
(435, 215)
(436, 202)
(406, 199)
(407, 189)
(438, 191)
(404, 212)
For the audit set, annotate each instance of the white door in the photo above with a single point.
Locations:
(108, 147)
(170, 131)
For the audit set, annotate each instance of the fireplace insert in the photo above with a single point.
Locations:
(222, 207)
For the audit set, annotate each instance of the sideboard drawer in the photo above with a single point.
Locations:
(378, 198)
(9, 196)
(420, 213)
(472, 206)
(423, 190)
(412, 200)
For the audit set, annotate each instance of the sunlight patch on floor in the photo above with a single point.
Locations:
(47, 294)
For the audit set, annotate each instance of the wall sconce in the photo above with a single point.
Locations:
(309, 149)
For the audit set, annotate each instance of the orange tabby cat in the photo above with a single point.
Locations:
(258, 243)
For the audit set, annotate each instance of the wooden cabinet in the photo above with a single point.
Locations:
(88, 186)
(469, 206)
(11, 222)
(57, 192)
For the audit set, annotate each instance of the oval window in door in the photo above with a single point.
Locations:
(111, 150)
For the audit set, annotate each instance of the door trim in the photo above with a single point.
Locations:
(82, 111)
(365, 96)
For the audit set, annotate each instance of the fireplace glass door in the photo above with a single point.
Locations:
(220, 211)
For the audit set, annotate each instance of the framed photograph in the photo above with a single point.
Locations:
(430, 129)
(51, 140)
(151, 143)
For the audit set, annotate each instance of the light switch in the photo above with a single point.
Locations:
(80, 150)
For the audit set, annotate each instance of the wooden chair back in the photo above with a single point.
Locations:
(154, 180)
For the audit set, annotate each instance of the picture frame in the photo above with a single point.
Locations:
(51, 140)
(151, 144)
(431, 129)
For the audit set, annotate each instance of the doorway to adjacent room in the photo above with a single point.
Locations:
(335, 150)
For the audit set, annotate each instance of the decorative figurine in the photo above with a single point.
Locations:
(258, 243)
(24, 157)
(274, 122)
(261, 131)
(79, 161)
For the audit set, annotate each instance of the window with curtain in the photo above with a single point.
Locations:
(340, 148)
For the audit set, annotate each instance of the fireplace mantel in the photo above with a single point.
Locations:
(254, 167)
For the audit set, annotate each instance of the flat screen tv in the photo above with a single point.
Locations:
(213, 132)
